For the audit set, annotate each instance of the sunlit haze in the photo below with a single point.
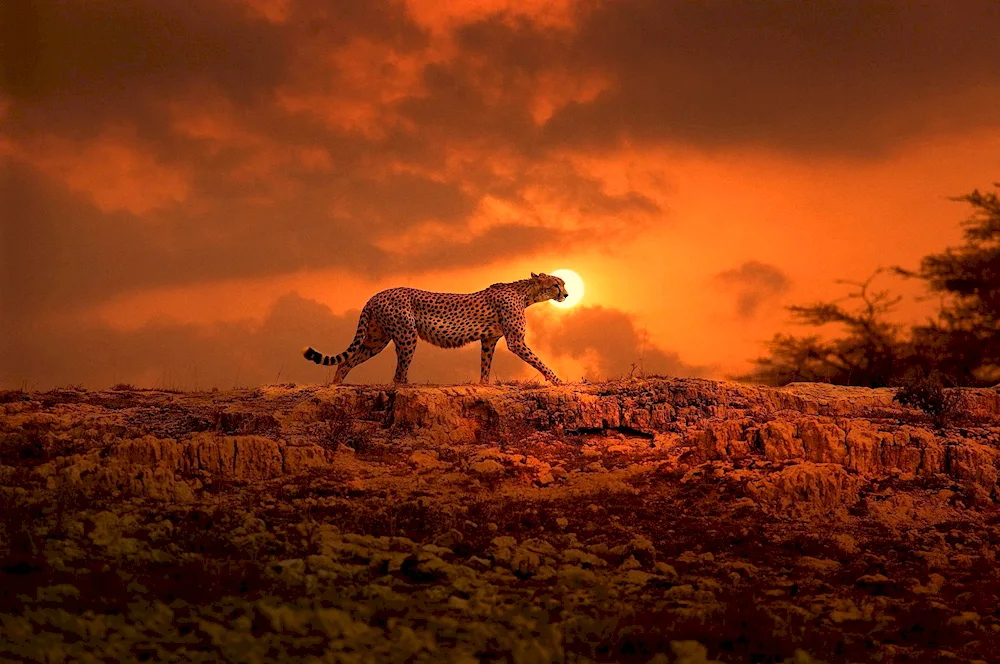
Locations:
(191, 204)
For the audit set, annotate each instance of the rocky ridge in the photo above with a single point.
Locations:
(655, 520)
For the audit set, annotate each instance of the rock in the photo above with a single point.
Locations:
(638, 577)
(974, 462)
(821, 565)
(666, 571)
(806, 488)
(450, 539)
(524, 561)
(630, 563)
(823, 442)
(487, 468)
(300, 458)
(802, 657)
(691, 652)
(934, 584)
(576, 577)
(292, 571)
(578, 557)
(965, 618)
(424, 461)
(845, 543)
(876, 581)
(778, 441)
(692, 557)
(720, 440)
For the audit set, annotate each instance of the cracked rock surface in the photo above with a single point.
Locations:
(660, 520)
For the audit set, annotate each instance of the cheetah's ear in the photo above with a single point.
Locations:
(534, 276)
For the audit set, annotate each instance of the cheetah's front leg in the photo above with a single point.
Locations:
(519, 348)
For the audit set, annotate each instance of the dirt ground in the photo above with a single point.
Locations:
(640, 521)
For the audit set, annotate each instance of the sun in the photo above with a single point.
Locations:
(574, 288)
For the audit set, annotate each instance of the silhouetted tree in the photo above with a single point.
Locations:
(963, 342)
(872, 352)
(959, 346)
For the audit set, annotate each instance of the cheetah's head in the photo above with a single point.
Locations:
(549, 287)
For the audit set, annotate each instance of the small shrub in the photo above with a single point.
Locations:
(340, 425)
(926, 393)
(33, 444)
(10, 396)
(336, 427)
(124, 387)
(17, 518)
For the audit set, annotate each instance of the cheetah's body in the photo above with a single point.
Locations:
(448, 320)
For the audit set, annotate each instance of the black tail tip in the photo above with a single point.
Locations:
(312, 355)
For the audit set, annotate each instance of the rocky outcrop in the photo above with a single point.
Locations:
(454, 523)
(862, 431)
(821, 428)
(166, 469)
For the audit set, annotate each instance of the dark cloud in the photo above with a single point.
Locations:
(495, 243)
(402, 200)
(460, 127)
(72, 255)
(72, 65)
(753, 283)
(65, 252)
(83, 77)
(817, 77)
(804, 77)
(609, 344)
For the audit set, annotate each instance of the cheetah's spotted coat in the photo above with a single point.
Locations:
(448, 320)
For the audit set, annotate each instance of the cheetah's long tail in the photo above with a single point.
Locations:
(314, 355)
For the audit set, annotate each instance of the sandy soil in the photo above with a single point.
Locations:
(641, 521)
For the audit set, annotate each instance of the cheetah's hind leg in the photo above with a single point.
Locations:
(374, 343)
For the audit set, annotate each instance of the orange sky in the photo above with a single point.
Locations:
(191, 202)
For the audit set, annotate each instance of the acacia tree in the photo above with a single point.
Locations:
(963, 342)
(872, 353)
(960, 344)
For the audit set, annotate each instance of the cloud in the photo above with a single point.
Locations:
(608, 344)
(818, 77)
(72, 65)
(63, 251)
(754, 283)
(809, 78)
(164, 144)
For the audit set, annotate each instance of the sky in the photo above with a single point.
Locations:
(190, 193)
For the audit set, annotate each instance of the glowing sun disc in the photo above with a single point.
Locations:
(574, 288)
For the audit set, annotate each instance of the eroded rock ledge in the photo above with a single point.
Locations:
(816, 440)
(861, 429)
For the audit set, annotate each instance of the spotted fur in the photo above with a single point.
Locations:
(448, 320)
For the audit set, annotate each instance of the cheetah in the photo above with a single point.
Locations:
(447, 320)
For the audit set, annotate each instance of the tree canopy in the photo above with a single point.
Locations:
(960, 343)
